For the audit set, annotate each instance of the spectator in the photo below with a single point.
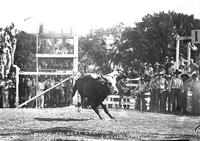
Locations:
(40, 99)
(152, 86)
(185, 89)
(32, 93)
(175, 87)
(195, 94)
(161, 95)
(121, 87)
(5, 93)
(140, 99)
(47, 96)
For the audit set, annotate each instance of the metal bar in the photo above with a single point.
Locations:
(56, 35)
(46, 73)
(33, 98)
(183, 38)
(56, 55)
(177, 51)
(188, 56)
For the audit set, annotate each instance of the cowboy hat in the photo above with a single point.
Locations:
(194, 75)
(185, 76)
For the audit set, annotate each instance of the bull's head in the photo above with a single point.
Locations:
(111, 82)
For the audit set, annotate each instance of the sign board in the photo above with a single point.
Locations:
(195, 36)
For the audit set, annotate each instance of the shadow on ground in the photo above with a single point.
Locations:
(70, 131)
(93, 134)
(60, 119)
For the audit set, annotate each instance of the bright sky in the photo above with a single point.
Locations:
(87, 14)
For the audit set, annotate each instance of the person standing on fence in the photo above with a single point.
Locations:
(175, 87)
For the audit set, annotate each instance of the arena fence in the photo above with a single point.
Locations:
(38, 95)
(112, 101)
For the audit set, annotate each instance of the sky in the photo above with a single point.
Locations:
(87, 14)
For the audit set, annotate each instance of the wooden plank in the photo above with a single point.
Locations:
(39, 55)
(56, 35)
(47, 73)
(183, 38)
(33, 98)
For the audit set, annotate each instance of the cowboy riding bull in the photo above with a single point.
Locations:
(94, 90)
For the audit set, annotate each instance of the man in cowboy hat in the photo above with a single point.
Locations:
(175, 87)
(163, 85)
(140, 98)
(160, 85)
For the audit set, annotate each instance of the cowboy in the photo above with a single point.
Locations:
(160, 89)
(163, 86)
(152, 86)
(140, 99)
(121, 88)
(175, 87)
(193, 67)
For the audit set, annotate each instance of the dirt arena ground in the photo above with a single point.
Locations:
(61, 124)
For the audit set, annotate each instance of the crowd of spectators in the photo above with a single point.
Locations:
(55, 63)
(170, 90)
(57, 97)
(56, 46)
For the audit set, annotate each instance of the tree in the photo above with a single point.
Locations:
(25, 51)
(94, 51)
(154, 38)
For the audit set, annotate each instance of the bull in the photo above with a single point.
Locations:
(94, 91)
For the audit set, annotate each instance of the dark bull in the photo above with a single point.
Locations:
(94, 91)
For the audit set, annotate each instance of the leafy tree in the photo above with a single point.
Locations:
(25, 51)
(93, 50)
(99, 48)
(154, 38)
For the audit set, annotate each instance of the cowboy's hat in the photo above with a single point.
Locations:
(185, 76)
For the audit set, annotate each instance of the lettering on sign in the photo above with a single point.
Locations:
(195, 36)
